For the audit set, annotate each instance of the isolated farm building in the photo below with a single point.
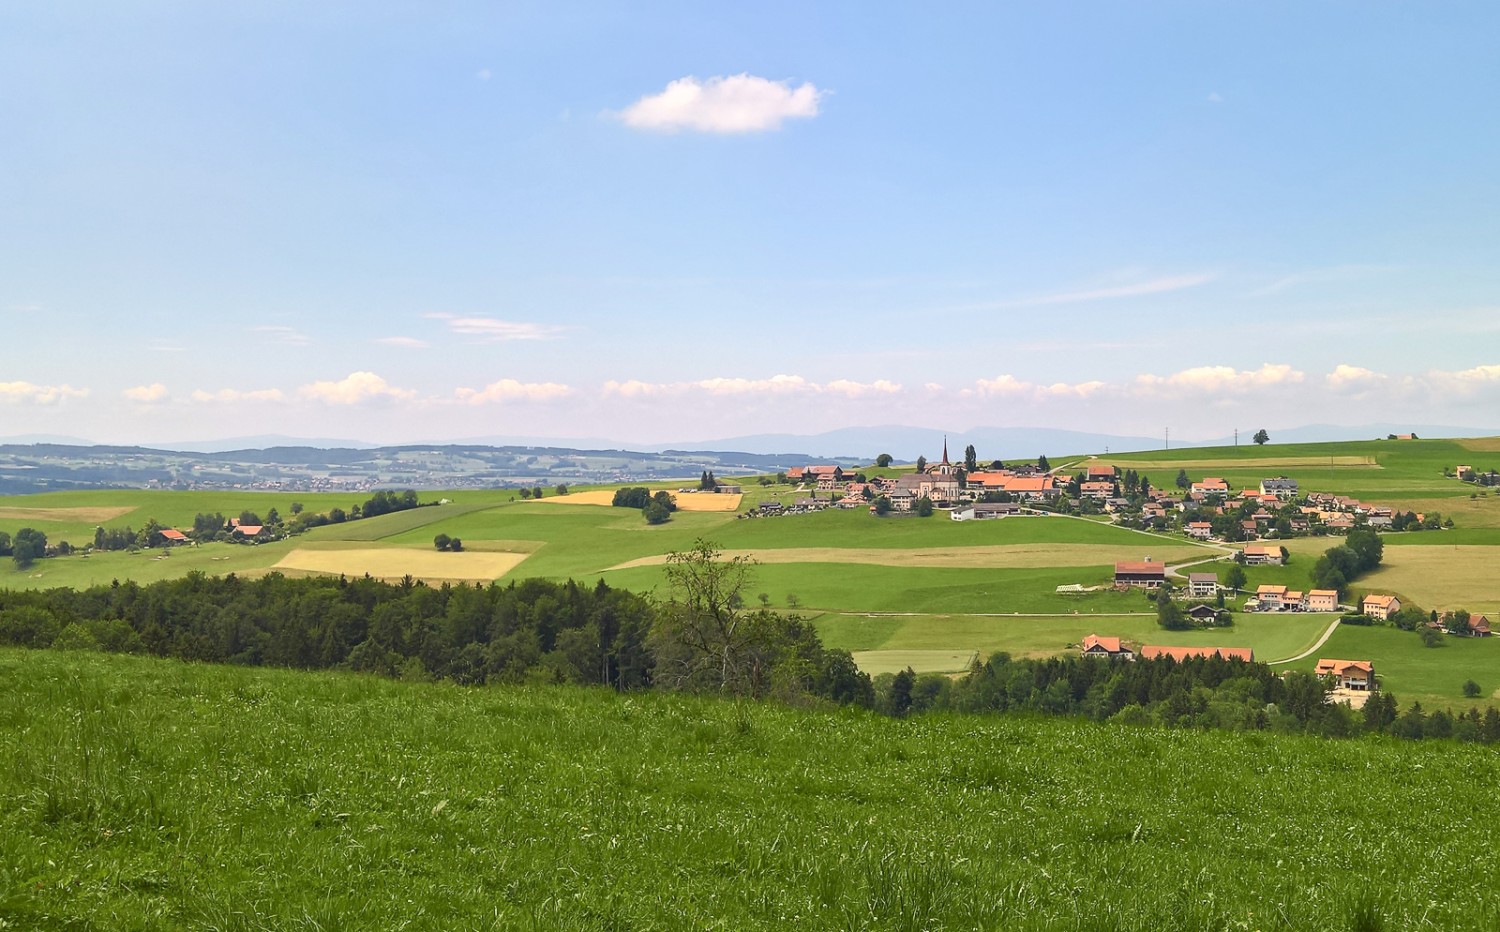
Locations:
(1323, 600)
(1179, 654)
(1263, 555)
(1095, 472)
(725, 488)
(1143, 574)
(1271, 598)
(772, 508)
(1380, 606)
(173, 536)
(1351, 674)
(1202, 585)
(1112, 648)
(1281, 487)
(248, 530)
(1479, 626)
(1464, 472)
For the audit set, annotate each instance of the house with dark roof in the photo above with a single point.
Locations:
(1281, 487)
(1203, 585)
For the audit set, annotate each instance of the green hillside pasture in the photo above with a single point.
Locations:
(861, 588)
(978, 556)
(1442, 578)
(143, 794)
(876, 662)
(1433, 676)
(397, 522)
(1271, 636)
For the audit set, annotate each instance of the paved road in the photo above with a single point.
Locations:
(1334, 626)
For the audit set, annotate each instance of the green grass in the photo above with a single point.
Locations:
(1271, 636)
(1433, 676)
(142, 794)
(876, 662)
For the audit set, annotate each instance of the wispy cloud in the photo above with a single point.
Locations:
(154, 393)
(512, 390)
(741, 103)
(28, 393)
(354, 389)
(1336, 273)
(165, 346)
(1161, 285)
(1210, 380)
(406, 342)
(287, 336)
(493, 330)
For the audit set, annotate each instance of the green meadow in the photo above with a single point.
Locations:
(142, 794)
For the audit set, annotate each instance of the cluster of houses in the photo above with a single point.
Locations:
(1356, 675)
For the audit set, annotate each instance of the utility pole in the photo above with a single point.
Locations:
(1236, 437)
(1167, 439)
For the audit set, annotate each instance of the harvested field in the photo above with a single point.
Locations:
(1029, 556)
(686, 501)
(1208, 467)
(97, 515)
(1442, 578)
(396, 562)
(876, 662)
(1481, 444)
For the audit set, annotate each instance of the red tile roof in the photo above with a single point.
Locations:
(1141, 569)
(1110, 644)
(1338, 667)
(1179, 654)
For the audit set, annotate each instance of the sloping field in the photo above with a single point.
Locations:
(1207, 466)
(1481, 444)
(1463, 576)
(686, 501)
(876, 662)
(83, 515)
(396, 562)
(978, 557)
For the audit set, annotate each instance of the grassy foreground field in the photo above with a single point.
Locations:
(145, 794)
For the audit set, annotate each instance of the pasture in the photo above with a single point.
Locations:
(148, 794)
(1433, 676)
(1441, 578)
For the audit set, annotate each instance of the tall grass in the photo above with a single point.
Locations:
(143, 794)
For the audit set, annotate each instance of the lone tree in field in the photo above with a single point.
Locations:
(1235, 578)
(1261, 438)
(1182, 479)
(697, 638)
(883, 460)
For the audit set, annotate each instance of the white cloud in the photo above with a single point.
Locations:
(775, 385)
(1073, 389)
(1465, 381)
(288, 336)
(234, 395)
(740, 103)
(1001, 385)
(1219, 380)
(633, 388)
(1352, 378)
(27, 393)
(861, 389)
(512, 390)
(407, 342)
(497, 331)
(147, 394)
(356, 388)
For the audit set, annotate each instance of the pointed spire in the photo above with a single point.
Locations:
(945, 449)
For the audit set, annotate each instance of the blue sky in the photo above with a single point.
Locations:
(423, 221)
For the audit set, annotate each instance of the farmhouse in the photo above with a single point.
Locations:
(1380, 606)
(1094, 472)
(1179, 654)
(1144, 574)
(1351, 674)
(1025, 488)
(173, 536)
(1202, 585)
(1211, 485)
(1263, 555)
(1271, 598)
(1204, 613)
(1479, 626)
(1281, 487)
(1111, 648)
(1322, 600)
(1200, 530)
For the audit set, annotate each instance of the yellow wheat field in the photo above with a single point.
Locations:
(396, 562)
(1439, 577)
(686, 501)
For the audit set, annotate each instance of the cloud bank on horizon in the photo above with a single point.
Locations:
(609, 222)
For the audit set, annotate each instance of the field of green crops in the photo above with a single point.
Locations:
(148, 794)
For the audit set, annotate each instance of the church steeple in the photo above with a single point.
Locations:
(945, 449)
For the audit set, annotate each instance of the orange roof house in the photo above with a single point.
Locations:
(1351, 674)
(1179, 654)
